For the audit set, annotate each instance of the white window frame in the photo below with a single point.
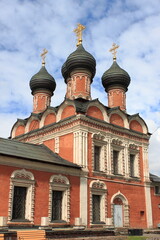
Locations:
(22, 178)
(133, 150)
(116, 145)
(60, 183)
(99, 188)
(99, 140)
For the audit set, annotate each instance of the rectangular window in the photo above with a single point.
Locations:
(132, 163)
(57, 205)
(115, 161)
(96, 208)
(97, 152)
(157, 189)
(19, 203)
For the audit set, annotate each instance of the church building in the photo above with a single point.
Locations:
(81, 163)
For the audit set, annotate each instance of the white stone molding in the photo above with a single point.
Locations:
(19, 123)
(134, 149)
(109, 162)
(80, 149)
(116, 144)
(29, 122)
(98, 187)
(99, 139)
(84, 200)
(60, 183)
(145, 163)
(141, 122)
(126, 209)
(23, 178)
(149, 216)
(61, 108)
(126, 160)
(22, 174)
(56, 144)
(45, 114)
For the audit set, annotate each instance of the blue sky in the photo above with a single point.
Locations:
(28, 26)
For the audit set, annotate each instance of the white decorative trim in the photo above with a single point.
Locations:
(19, 123)
(63, 106)
(23, 178)
(122, 115)
(57, 145)
(45, 114)
(133, 149)
(125, 208)
(101, 108)
(149, 216)
(98, 139)
(98, 187)
(80, 149)
(22, 174)
(145, 163)
(116, 145)
(60, 183)
(84, 200)
(32, 118)
(141, 122)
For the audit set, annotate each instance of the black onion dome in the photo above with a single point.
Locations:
(64, 71)
(115, 76)
(42, 80)
(80, 58)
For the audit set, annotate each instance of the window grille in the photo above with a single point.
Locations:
(96, 208)
(97, 151)
(19, 203)
(56, 205)
(115, 162)
(132, 161)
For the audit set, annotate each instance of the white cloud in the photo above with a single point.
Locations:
(29, 26)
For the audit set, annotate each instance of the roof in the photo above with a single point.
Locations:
(33, 152)
(154, 178)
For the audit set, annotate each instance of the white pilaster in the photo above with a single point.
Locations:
(145, 163)
(83, 200)
(109, 163)
(148, 206)
(80, 148)
(126, 161)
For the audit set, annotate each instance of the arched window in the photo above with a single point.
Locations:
(21, 200)
(59, 199)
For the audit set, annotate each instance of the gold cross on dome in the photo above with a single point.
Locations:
(113, 50)
(78, 32)
(43, 55)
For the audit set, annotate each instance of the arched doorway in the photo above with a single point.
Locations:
(120, 210)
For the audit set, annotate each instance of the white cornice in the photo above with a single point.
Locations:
(86, 123)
